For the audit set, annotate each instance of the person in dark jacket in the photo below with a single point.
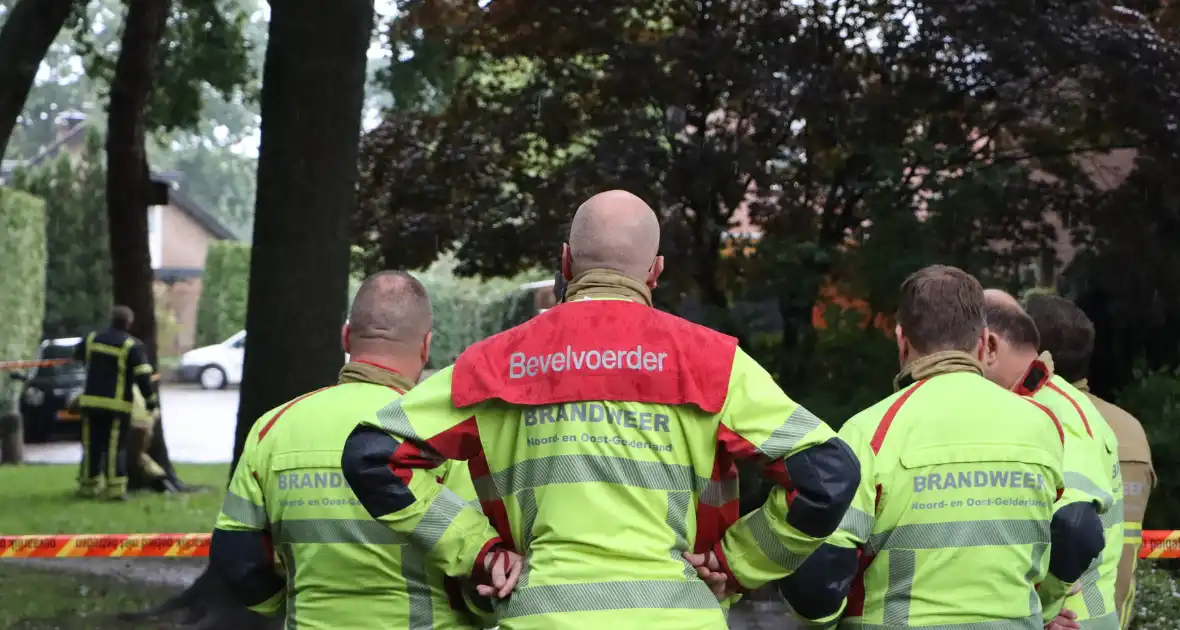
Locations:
(115, 363)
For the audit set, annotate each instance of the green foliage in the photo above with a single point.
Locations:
(221, 311)
(22, 283)
(1154, 398)
(1157, 598)
(467, 310)
(78, 267)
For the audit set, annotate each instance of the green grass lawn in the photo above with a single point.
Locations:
(39, 499)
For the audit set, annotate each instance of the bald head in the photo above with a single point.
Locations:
(390, 306)
(614, 230)
(1006, 318)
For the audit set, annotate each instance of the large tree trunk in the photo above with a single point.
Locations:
(129, 188)
(28, 31)
(313, 92)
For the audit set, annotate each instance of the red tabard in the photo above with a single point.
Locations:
(598, 350)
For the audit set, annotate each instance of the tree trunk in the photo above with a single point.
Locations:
(313, 92)
(129, 189)
(28, 31)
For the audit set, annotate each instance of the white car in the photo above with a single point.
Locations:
(216, 366)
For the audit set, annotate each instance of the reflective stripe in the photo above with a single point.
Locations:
(143, 368)
(677, 520)
(1034, 572)
(417, 589)
(526, 500)
(103, 348)
(1108, 621)
(555, 469)
(89, 342)
(1027, 623)
(788, 435)
(1082, 483)
(999, 532)
(1091, 594)
(769, 542)
(394, 420)
(335, 531)
(857, 523)
(718, 493)
(438, 517)
(288, 555)
(584, 597)
(102, 402)
(243, 511)
(1113, 516)
(903, 564)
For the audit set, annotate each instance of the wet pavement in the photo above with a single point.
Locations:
(198, 425)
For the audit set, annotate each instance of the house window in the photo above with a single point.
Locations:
(155, 234)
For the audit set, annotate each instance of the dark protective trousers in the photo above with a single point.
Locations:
(104, 452)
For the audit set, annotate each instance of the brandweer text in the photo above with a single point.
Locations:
(978, 479)
(596, 412)
(296, 481)
(521, 364)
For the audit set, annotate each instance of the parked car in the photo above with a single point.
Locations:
(48, 390)
(216, 366)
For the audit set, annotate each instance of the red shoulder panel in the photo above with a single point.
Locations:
(1085, 421)
(598, 350)
(890, 414)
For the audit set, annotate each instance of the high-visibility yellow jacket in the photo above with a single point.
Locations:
(951, 524)
(1091, 475)
(1138, 480)
(602, 436)
(339, 568)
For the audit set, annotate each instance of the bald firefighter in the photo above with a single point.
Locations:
(602, 436)
(115, 364)
(338, 567)
(1014, 359)
(1068, 336)
(953, 524)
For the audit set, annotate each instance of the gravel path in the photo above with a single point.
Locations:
(169, 572)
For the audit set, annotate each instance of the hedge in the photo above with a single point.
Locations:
(22, 281)
(78, 263)
(221, 311)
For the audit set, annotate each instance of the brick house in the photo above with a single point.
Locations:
(179, 234)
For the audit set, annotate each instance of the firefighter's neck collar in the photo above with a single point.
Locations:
(936, 364)
(374, 374)
(1038, 373)
(606, 284)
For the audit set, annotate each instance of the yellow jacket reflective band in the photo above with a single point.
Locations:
(951, 520)
(342, 568)
(603, 474)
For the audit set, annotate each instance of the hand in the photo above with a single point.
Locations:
(1065, 620)
(709, 569)
(503, 568)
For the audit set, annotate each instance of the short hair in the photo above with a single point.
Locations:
(122, 317)
(391, 305)
(1066, 332)
(1013, 324)
(941, 308)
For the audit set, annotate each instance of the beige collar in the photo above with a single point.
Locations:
(607, 284)
(936, 364)
(364, 372)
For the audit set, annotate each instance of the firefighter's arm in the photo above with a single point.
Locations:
(388, 459)
(1086, 477)
(1076, 541)
(241, 551)
(141, 371)
(816, 477)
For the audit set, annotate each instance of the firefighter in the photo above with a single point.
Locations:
(1091, 450)
(602, 436)
(339, 568)
(115, 363)
(1068, 335)
(953, 524)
